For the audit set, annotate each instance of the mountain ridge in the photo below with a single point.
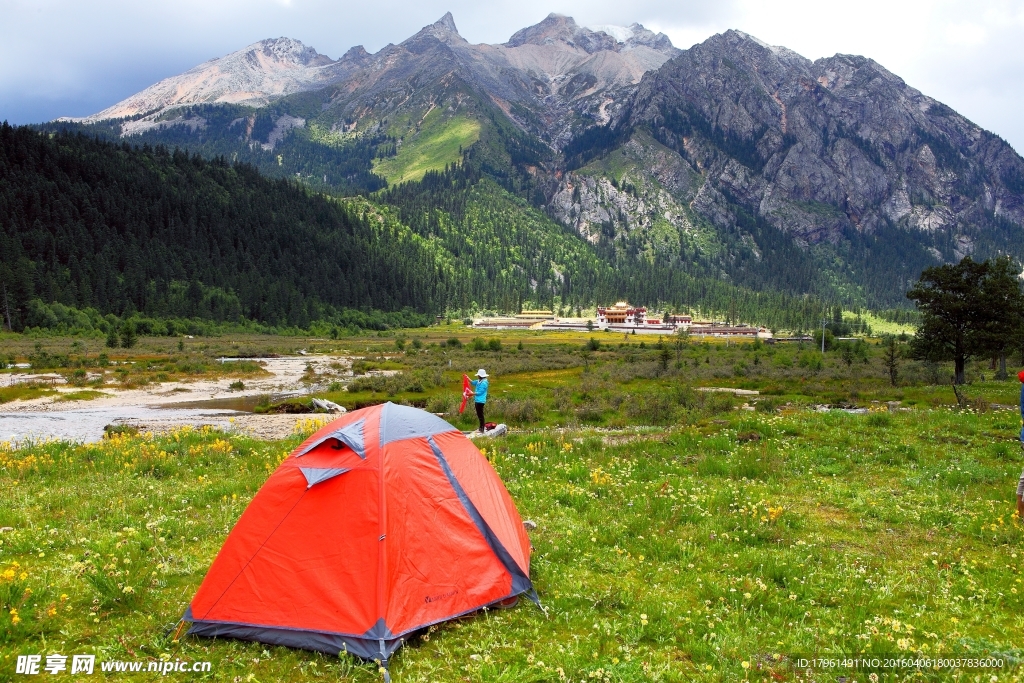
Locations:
(734, 157)
(273, 68)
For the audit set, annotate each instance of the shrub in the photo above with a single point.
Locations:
(454, 343)
(880, 420)
(494, 345)
(392, 384)
(237, 385)
(516, 411)
(444, 403)
(716, 403)
(591, 410)
(811, 360)
(563, 399)
(653, 408)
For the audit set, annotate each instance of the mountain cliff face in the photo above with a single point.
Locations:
(869, 176)
(819, 147)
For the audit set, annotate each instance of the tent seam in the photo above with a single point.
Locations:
(492, 540)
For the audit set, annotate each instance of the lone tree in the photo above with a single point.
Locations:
(891, 359)
(967, 309)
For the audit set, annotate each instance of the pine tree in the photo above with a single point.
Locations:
(129, 335)
(891, 359)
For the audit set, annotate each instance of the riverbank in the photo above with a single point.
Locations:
(162, 407)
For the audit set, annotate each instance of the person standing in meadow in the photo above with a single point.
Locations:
(480, 385)
(1020, 482)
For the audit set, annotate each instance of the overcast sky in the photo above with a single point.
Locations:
(75, 57)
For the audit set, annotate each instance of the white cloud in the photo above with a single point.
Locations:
(965, 34)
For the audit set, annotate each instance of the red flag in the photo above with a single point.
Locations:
(467, 391)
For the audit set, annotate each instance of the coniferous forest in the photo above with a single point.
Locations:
(125, 230)
(94, 224)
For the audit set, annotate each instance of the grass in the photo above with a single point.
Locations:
(679, 536)
(437, 143)
(84, 395)
(672, 554)
(881, 326)
(156, 360)
(24, 391)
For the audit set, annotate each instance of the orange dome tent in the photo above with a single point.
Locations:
(384, 522)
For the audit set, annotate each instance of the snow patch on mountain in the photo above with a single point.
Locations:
(619, 33)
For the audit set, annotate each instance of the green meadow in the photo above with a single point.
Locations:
(436, 141)
(681, 534)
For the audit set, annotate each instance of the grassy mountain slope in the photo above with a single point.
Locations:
(435, 142)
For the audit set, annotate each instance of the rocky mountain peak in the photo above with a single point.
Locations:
(557, 28)
(636, 35)
(357, 55)
(443, 29)
(823, 149)
(255, 74)
(748, 45)
(447, 22)
(648, 38)
(287, 50)
(551, 28)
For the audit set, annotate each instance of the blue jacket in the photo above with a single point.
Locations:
(480, 389)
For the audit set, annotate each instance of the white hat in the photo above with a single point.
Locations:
(481, 373)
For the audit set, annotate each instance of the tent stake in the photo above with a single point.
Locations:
(177, 631)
